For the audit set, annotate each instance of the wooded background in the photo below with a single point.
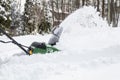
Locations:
(40, 16)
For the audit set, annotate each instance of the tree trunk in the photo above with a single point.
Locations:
(98, 3)
(83, 2)
(115, 15)
(109, 10)
(57, 7)
(77, 3)
(52, 5)
(103, 8)
(62, 9)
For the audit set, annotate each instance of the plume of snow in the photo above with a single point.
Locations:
(83, 17)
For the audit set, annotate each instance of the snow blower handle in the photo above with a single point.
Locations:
(15, 42)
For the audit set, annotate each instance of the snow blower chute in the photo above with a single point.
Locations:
(34, 48)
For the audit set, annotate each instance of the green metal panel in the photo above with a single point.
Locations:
(49, 49)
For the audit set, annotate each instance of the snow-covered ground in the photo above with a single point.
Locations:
(90, 50)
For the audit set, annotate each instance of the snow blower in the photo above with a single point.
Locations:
(34, 48)
(37, 47)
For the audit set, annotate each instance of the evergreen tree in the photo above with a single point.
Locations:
(36, 14)
(27, 16)
(16, 17)
(5, 13)
(45, 23)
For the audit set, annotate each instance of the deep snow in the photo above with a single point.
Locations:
(89, 51)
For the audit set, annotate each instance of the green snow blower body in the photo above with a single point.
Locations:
(41, 48)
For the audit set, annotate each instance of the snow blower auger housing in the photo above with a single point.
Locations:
(37, 47)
